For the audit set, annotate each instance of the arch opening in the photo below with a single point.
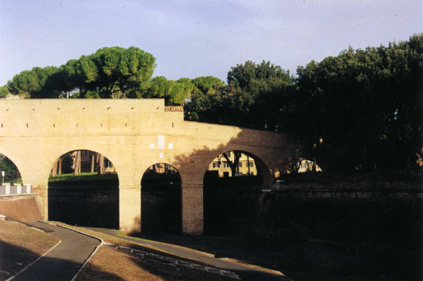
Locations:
(232, 185)
(161, 200)
(83, 189)
(9, 171)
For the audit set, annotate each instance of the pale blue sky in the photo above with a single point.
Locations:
(192, 38)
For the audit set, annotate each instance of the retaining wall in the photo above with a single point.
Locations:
(20, 207)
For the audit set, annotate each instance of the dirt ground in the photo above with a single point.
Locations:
(300, 260)
(21, 245)
(114, 265)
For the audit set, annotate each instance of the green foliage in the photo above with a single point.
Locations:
(4, 90)
(109, 73)
(253, 98)
(122, 69)
(11, 172)
(174, 92)
(67, 163)
(358, 111)
(258, 94)
(361, 110)
(206, 100)
(38, 82)
(92, 95)
(82, 177)
(81, 74)
(208, 85)
(257, 78)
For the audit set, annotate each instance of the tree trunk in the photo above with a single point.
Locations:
(92, 162)
(248, 164)
(77, 166)
(233, 165)
(101, 165)
(79, 162)
(59, 170)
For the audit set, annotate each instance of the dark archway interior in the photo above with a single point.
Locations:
(83, 190)
(161, 200)
(230, 193)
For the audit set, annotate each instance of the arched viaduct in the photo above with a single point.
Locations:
(133, 135)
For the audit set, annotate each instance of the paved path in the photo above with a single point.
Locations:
(246, 272)
(64, 261)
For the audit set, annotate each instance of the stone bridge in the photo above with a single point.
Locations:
(133, 135)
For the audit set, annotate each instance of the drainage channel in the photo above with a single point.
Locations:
(172, 261)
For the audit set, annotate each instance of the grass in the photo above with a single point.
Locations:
(14, 181)
(72, 178)
(20, 246)
(82, 177)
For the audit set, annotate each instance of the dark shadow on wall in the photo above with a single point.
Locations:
(230, 203)
(337, 211)
(370, 232)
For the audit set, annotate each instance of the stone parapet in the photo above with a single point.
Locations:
(174, 108)
(16, 189)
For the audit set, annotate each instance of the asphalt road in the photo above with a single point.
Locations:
(65, 260)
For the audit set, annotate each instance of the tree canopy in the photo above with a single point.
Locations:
(254, 94)
(362, 109)
(174, 92)
(358, 111)
(119, 70)
(108, 73)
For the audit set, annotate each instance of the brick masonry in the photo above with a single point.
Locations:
(133, 135)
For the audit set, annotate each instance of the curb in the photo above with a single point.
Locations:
(86, 261)
(231, 260)
(154, 248)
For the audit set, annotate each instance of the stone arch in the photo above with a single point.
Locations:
(161, 199)
(261, 164)
(229, 200)
(94, 199)
(54, 157)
